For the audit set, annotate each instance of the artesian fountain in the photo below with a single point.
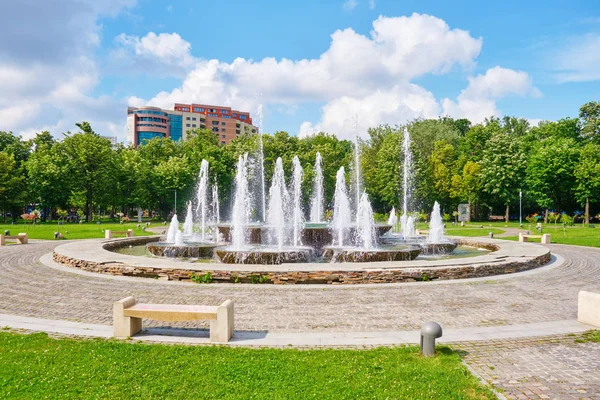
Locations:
(273, 228)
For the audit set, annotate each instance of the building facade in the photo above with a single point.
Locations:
(145, 123)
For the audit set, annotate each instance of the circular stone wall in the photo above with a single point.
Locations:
(506, 257)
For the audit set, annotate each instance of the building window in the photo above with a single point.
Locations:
(222, 142)
(223, 123)
(223, 130)
(235, 115)
(214, 115)
(226, 116)
(185, 109)
(215, 129)
(198, 109)
(193, 125)
(187, 125)
(215, 123)
(242, 117)
(223, 136)
(224, 112)
(193, 118)
(212, 110)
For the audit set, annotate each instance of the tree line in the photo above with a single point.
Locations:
(555, 165)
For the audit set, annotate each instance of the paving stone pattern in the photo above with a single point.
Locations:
(553, 367)
(31, 289)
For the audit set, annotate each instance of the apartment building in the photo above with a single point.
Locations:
(145, 123)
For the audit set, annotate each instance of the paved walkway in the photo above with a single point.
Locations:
(532, 301)
(554, 367)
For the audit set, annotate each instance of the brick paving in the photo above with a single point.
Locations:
(552, 367)
(28, 288)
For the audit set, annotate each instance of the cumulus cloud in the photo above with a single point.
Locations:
(162, 54)
(46, 69)
(578, 60)
(362, 72)
(478, 100)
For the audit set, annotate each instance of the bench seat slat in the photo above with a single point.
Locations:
(172, 312)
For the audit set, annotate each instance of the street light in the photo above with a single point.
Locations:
(175, 201)
(520, 208)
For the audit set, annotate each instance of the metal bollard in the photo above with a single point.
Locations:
(7, 233)
(429, 332)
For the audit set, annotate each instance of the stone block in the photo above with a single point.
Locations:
(588, 308)
(123, 326)
(108, 234)
(221, 329)
(546, 238)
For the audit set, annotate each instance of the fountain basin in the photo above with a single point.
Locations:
(253, 231)
(265, 255)
(434, 249)
(188, 250)
(400, 253)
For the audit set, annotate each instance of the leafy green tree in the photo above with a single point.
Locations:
(550, 172)
(503, 169)
(11, 185)
(441, 163)
(89, 159)
(587, 177)
(589, 114)
(467, 185)
(48, 182)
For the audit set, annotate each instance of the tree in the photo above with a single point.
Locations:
(467, 184)
(550, 172)
(89, 165)
(587, 177)
(503, 169)
(11, 185)
(48, 178)
(441, 163)
(589, 114)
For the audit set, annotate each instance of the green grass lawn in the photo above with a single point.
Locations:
(35, 366)
(72, 231)
(574, 235)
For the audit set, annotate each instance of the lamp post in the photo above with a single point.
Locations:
(520, 208)
(175, 201)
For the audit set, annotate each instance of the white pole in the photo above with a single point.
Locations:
(520, 208)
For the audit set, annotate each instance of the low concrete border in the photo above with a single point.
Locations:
(588, 308)
(506, 257)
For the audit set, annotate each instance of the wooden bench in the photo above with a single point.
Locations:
(496, 218)
(127, 317)
(108, 234)
(21, 238)
(545, 238)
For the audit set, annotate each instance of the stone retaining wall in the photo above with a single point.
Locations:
(387, 275)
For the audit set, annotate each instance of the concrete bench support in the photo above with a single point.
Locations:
(545, 238)
(108, 234)
(588, 308)
(127, 317)
(21, 238)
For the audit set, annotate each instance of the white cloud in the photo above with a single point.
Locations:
(47, 74)
(578, 60)
(478, 100)
(350, 5)
(358, 71)
(162, 54)
(371, 4)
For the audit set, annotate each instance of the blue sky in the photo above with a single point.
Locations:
(378, 61)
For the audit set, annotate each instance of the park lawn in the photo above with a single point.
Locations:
(574, 235)
(85, 230)
(471, 230)
(36, 366)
